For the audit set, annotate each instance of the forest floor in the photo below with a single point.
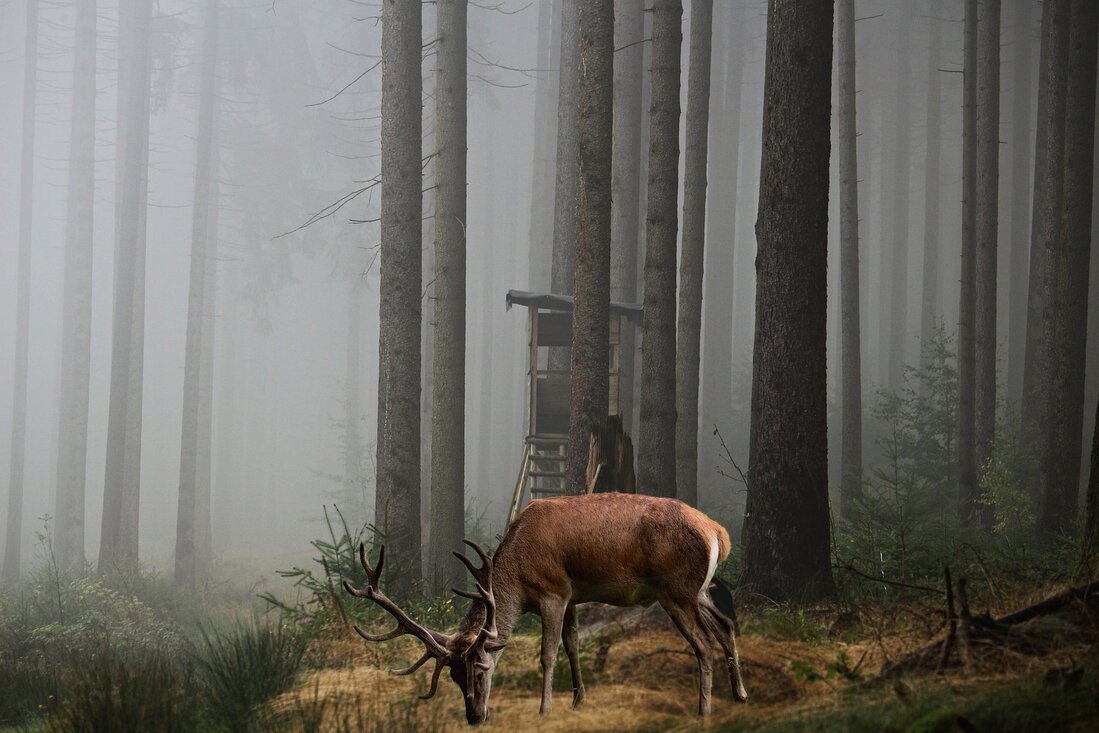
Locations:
(803, 670)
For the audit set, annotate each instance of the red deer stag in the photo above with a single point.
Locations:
(620, 549)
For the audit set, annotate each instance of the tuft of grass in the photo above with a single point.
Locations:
(244, 667)
(30, 688)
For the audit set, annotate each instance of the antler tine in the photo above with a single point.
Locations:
(375, 574)
(412, 667)
(434, 681)
(482, 577)
(486, 559)
(379, 637)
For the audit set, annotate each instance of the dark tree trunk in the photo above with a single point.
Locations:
(448, 393)
(930, 297)
(688, 348)
(716, 402)
(1066, 409)
(187, 567)
(851, 358)
(967, 456)
(987, 241)
(629, 30)
(902, 163)
(14, 529)
(786, 531)
(397, 504)
(72, 441)
(1021, 168)
(564, 207)
(656, 455)
(1090, 553)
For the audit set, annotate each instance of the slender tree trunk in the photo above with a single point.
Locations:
(688, 348)
(851, 358)
(592, 279)
(14, 529)
(902, 164)
(204, 529)
(967, 457)
(786, 532)
(716, 403)
(930, 297)
(564, 208)
(398, 468)
(187, 569)
(545, 136)
(629, 30)
(1021, 168)
(353, 473)
(656, 457)
(1066, 410)
(987, 240)
(76, 324)
(448, 392)
(1090, 546)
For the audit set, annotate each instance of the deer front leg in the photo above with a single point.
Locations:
(553, 614)
(572, 649)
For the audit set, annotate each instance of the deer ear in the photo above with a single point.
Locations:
(494, 646)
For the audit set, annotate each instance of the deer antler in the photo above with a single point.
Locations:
(433, 641)
(482, 577)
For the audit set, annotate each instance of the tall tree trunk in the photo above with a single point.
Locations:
(987, 240)
(851, 358)
(902, 164)
(1049, 168)
(629, 31)
(204, 529)
(592, 278)
(398, 468)
(564, 208)
(967, 456)
(72, 441)
(545, 136)
(1021, 168)
(1066, 410)
(716, 404)
(14, 529)
(930, 296)
(352, 455)
(656, 456)
(187, 568)
(448, 392)
(786, 530)
(688, 348)
(1090, 546)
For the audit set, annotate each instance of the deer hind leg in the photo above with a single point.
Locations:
(572, 649)
(723, 629)
(553, 615)
(702, 642)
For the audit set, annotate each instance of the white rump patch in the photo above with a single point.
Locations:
(714, 549)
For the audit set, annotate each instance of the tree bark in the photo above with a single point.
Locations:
(14, 530)
(448, 391)
(902, 163)
(187, 567)
(851, 357)
(565, 193)
(1066, 410)
(1090, 545)
(629, 31)
(656, 457)
(72, 448)
(688, 348)
(987, 241)
(397, 505)
(204, 529)
(967, 456)
(930, 296)
(787, 524)
(545, 156)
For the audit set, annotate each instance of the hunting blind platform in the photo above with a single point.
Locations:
(542, 467)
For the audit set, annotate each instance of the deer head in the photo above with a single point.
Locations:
(469, 655)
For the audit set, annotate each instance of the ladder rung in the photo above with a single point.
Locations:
(547, 474)
(548, 492)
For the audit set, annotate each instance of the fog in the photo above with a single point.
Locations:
(296, 134)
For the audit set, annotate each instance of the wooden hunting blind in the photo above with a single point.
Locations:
(549, 380)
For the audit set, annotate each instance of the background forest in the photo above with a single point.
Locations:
(255, 311)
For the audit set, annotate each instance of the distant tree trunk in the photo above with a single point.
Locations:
(898, 311)
(564, 208)
(851, 358)
(688, 348)
(76, 326)
(930, 310)
(448, 393)
(14, 530)
(398, 469)
(1090, 551)
(716, 402)
(187, 567)
(786, 531)
(545, 136)
(592, 279)
(967, 456)
(352, 456)
(1066, 410)
(629, 30)
(987, 241)
(1021, 168)
(656, 457)
(204, 529)
(1038, 379)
